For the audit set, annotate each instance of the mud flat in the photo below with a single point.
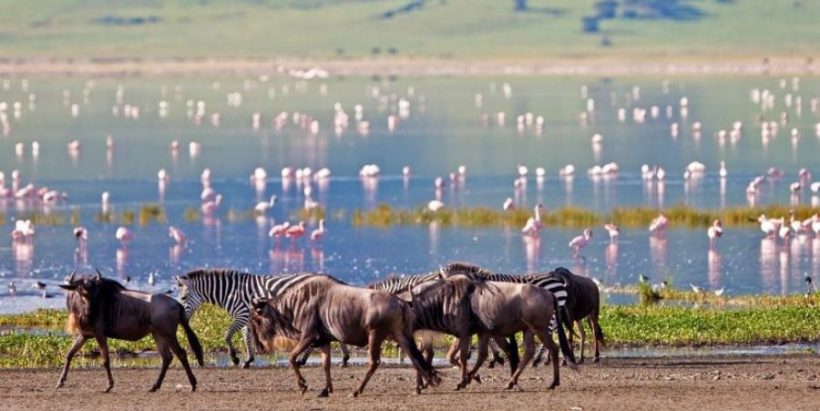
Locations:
(705, 382)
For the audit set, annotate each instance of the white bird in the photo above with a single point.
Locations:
(259, 175)
(723, 173)
(566, 170)
(263, 206)
(795, 187)
(208, 194)
(767, 225)
(785, 232)
(124, 235)
(660, 173)
(322, 174)
(152, 279)
(815, 187)
(319, 233)
(287, 172)
(439, 183)
(12, 288)
(23, 229)
(715, 231)
(435, 205)
(522, 170)
(177, 235)
(613, 231)
(696, 288)
(530, 228)
(508, 204)
(580, 241)
(719, 292)
(659, 224)
(162, 175)
(405, 171)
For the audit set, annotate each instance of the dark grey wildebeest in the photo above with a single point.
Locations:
(319, 309)
(462, 306)
(102, 308)
(584, 301)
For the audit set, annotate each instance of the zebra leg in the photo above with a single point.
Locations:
(497, 357)
(237, 324)
(302, 361)
(540, 355)
(246, 335)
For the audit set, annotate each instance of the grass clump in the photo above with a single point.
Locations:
(152, 213)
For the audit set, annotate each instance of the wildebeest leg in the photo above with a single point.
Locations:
(326, 366)
(163, 346)
(464, 356)
(374, 348)
(506, 347)
(302, 345)
(453, 352)
(183, 358)
(246, 335)
(345, 355)
(597, 333)
(78, 343)
(546, 339)
(529, 351)
(102, 341)
(583, 337)
(482, 356)
(302, 361)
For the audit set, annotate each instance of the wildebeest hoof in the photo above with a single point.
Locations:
(553, 385)
(491, 365)
(303, 389)
(355, 394)
(596, 360)
(59, 385)
(477, 378)
(323, 394)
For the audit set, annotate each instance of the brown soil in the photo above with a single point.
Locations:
(720, 382)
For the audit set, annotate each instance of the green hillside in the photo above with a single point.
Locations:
(460, 29)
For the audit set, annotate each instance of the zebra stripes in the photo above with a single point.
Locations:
(234, 291)
(396, 285)
(547, 281)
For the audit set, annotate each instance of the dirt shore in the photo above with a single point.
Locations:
(718, 382)
(141, 67)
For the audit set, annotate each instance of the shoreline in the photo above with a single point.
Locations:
(422, 67)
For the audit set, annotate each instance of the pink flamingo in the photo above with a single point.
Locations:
(580, 241)
(263, 206)
(767, 225)
(81, 234)
(177, 235)
(714, 232)
(23, 230)
(209, 207)
(279, 230)
(536, 215)
(124, 235)
(530, 228)
(319, 233)
(508, 204)
(613, 231)
(296, 231)
(659, 224)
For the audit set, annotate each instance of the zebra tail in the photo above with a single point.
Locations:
(193, 340)
(566, 349)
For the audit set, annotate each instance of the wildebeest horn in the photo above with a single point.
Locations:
(442, 272)
(99, 274)
(70, 277)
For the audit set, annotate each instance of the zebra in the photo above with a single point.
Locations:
(235, 291)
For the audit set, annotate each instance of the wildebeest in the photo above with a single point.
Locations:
(584, 301)
(102, 308)
(463, 306)
(319, 309)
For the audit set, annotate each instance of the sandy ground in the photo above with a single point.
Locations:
(719, 382)
(121, 67)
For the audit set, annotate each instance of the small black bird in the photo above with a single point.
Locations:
(810, 287)
(39, 285)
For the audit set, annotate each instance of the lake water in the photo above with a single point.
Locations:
(440, 123)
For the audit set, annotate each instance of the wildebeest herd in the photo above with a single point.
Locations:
(314, 310)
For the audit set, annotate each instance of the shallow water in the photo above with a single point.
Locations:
(440, 129)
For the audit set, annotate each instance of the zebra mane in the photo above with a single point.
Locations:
(212, 272)
(395, 283)
(468, 269)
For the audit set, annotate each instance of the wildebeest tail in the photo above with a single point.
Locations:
(513, 354)
(193, 340)
(599, 333)
(427, 371)
(566, 349)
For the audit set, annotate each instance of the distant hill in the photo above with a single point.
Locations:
(456, 29)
